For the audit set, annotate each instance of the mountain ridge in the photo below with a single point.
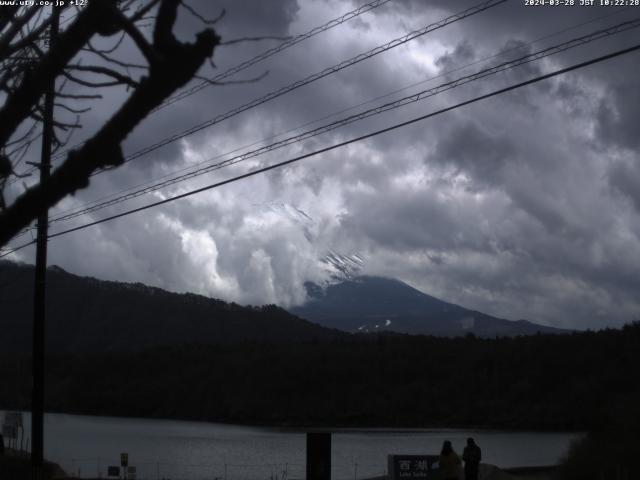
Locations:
(370, 303)
(85, 314)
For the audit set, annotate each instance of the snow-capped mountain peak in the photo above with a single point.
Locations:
(342, 267)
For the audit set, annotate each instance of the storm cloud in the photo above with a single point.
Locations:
(525, 205)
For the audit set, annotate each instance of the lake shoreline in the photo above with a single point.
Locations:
(299, 427)
(195, 450)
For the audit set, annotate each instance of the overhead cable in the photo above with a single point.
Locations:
(353, 107)
(316, 76)
(263, 56)
(424, 94)
(272, 51)
(341, 144)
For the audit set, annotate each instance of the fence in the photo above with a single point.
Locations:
(149, 470)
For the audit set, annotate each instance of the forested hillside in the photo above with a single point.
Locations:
(89, 315)
(575, 381)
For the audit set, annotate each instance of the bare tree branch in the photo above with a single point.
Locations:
(88, 83)
(6, 15)
(105, 56)
(14, 29)
(75, 96)
(108, 51)
(68, 43)
(143, 11)
(253, 39)
(26, 40)
(71, 109)
(99, 70)
(172, 64)
(22, 138)
(141, 42)
(233, 82)
(56, 123)
(193, 12)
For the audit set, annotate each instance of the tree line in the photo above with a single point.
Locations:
(586, 380)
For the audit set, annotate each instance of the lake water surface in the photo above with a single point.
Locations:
(197, 450)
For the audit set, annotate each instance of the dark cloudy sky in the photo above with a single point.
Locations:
(523, 206)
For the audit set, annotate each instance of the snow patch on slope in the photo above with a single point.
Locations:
(342, 267)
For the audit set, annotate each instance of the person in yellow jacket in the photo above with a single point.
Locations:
(449, 462)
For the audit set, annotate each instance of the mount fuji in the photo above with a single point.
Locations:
(352, 302)
(373, 304)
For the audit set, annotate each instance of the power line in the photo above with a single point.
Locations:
(85, 209)
(272, 51)
(325, 117)
(362, 115)
(314, 77)
(262, 56)
(309, 79)
(345, 143)
(357, 139)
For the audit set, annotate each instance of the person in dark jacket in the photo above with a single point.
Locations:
(1, 444)
(449, 462)
(471, 456)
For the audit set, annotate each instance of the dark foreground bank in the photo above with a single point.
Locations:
(15, 466)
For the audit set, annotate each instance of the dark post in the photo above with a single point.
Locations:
(37, 397)
(318, 456)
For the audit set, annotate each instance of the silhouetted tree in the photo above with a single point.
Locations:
(28, 65)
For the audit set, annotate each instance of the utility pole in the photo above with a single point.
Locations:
(37, 357)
